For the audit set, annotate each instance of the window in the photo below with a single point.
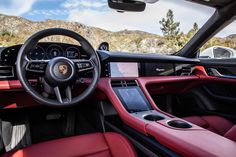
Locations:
(164, 27)
(223, 45)
(221, 52)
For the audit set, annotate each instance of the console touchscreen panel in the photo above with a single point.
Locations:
(133, 99)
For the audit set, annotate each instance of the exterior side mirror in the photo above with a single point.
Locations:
(104, 46)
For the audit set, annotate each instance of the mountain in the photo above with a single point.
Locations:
(15, 30)
(232, 36)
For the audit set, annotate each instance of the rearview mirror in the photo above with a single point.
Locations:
(127, 5)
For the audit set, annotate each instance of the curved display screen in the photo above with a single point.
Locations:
(124, 69)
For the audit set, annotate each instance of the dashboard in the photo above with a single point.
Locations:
(121, 65)
(140, 69)
(113, 64)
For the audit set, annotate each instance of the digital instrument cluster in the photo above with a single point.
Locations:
(44, 51)
(52, 51)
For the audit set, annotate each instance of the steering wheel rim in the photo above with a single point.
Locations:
(23, 61)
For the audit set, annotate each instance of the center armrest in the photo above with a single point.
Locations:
(195, 141)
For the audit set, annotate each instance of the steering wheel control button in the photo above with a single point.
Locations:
(84, 66)
(37, 67)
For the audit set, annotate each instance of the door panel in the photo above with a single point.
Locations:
(222, 91)
(221, 95)
(226, 68)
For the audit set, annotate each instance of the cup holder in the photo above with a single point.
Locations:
(179, 124)
(153, 117)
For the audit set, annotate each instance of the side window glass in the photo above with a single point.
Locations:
(220, 52)
(222, 46)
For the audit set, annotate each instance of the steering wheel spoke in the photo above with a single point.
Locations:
(38, 67)
(58, 94)
(84, 65)
(68, 95)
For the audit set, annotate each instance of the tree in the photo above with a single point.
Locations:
(193, 31)
(168, 26)
(195, 27)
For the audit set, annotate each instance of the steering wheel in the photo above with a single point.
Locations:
(59, 73)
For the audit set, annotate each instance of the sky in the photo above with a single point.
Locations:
(97, 13)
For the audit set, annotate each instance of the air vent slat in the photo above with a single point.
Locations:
(123, 83)
(186, 71)
(131, 83)
(6, 71)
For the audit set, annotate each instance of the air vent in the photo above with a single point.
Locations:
(124, 83)
(6, 71)
(186, 71)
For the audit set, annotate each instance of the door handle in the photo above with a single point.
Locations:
(216, 73)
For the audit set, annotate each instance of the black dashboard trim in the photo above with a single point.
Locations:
(138, 57)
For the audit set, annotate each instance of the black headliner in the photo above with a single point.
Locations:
(213, 3)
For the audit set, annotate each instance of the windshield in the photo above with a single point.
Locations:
(164, 27)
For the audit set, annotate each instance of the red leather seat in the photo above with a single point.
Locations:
(91, 145)
(215, 124)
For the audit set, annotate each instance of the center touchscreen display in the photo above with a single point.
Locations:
(133, 99)
(123, 69)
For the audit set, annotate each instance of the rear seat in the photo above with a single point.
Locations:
(215, 124)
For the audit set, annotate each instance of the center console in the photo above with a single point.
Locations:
(135, 102)
(136, 109)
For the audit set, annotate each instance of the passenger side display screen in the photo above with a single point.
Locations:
(123, 69)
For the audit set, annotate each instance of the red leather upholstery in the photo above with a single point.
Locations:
(215, 124)
(91, 145)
